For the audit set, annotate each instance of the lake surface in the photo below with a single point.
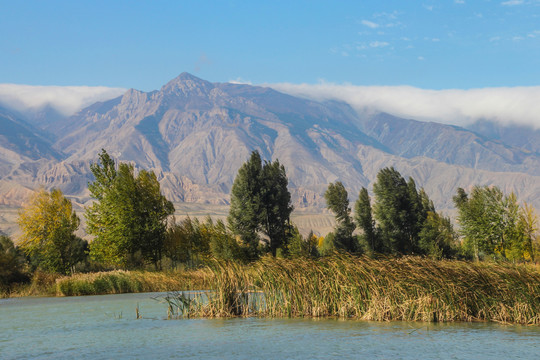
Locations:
(105, 327)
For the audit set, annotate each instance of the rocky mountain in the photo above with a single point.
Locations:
(522, 136)
(476, 149)
(195, 135)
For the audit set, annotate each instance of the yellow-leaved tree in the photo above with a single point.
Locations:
(48, 223)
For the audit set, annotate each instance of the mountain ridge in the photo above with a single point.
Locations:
(196, 134)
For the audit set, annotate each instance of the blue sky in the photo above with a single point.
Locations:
(461, 44)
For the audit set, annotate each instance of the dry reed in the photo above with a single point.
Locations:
(408, 288)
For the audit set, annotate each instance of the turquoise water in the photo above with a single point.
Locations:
(105, 327)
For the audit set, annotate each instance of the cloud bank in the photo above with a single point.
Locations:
(65, 99)
(512, 105)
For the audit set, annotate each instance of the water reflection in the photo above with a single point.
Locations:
(106, 327)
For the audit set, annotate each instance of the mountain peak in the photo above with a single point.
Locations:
(187, 76)
(186, 83)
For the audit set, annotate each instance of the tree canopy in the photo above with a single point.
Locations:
(129, 217)
(337, 201)
(495, 224)
(260, 204)
(48, 223)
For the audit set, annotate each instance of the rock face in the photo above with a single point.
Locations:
(195, 135)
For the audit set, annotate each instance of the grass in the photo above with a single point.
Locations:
(42, 284)
(409, 288)
(119, 281)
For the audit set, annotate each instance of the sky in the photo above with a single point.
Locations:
(458, 45)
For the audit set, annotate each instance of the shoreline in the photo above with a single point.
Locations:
(340, 286)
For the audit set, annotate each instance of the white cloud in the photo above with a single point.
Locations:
(65, 99)
(512, 105)
(512, 3)
(370, 24)
(378, 44)
(240, 81)
(459, 1)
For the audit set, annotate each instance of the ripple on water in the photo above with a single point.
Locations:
(94, 327)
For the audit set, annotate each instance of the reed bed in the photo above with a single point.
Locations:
(119, 281)
(408, 288)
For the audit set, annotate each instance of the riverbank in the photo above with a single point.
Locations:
(407, 288)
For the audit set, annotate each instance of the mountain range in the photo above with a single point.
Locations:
(195, 134)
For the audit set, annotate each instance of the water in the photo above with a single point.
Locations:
(105, 327)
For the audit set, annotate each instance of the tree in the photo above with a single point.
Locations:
(11, 264)
(395, 210)
(223, 245)
(337, 201)
(188, 241)
(152, 211)
(529, 225)
(364, 221)
(260, 203)
(246, 204)
(300, 247)
(129, 216)
(48, 223)
(437, 238)
(491, 223)
(276, 205)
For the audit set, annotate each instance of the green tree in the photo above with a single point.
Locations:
(246, 204)
(276, 205)
(188, 241)
(152, 211)
(48, 223)
(365, 221)
(260, 203)
(300, 247)
(223, 244)
(129, 216)
(437, 237)
(528, 223)
(395, 211)
(11, 264)
(490, 223)
(337, 201)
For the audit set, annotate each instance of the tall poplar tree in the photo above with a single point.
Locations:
(393, 211)
(246, 203)
(276, 205)
(364, 220)
(337, 201)
(260, 204)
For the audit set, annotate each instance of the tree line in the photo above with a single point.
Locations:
(132, 224)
